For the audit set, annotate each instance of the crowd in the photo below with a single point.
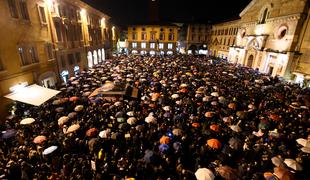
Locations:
(196, 118)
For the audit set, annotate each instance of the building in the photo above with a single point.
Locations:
(47, 41)
(152, 39)
(273, 37)
(223, 36)
(197, 38)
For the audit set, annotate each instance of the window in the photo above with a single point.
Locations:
(134, 36)
(161, 45)
(42, 14)
(49, 51)
(143, 36)
(153, 36)
(33, 54)
(170, 46)
(23, 9)
(152, 45)
(13, 8)
(58, 31)
(71, 59)
(22, 55)
(78, 57)
(171, 37)
(143, 45)
(161, 36)
(63, 61)
(134, 45)
(264, 16)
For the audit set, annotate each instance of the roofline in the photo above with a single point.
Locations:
(247, 7)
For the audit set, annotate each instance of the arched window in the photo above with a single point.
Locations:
(264, 16)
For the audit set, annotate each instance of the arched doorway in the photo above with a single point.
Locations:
(90, 59)
(95, 57)
(102, 54)
(250, 61)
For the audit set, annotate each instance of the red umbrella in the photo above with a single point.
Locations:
(39, 139)
(209, 114)
(196, 125)
(232, 106)
(214, 143)
(274, 117)
(73, 98)
(215, 127)
(91, 132)
(164, 140)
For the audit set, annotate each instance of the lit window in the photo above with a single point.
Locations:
(143, 45)
(153, 36)
(134, 36)
(161, 36)
(42, 14)
(152, 45)
(171, 36)
(13, 8)
(33, 55)
(134, 45)
(170, 46)
(143, 36)
(161, 45)
(23, 9)
(23, 56)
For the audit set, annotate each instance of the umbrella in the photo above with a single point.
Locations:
(215, 94)
(150, 119)
(241, 114)
(86, 93)
(27, 121)
(227, 172)
(91, 132)
(139, 127)
(281, 173)
(155, 96)
(227, 119)
(274, 133)
(39, 139)
(163, 147)
(62, 120)
(177, 146)
(234, 143)
(206, 98)
(214, 143)
(8, 133)
(209, 114)
(73, 98)
(120, 119)
(277, 161)
(293, 164)
(73, 128)
(177, 132)
(232, 106)
(305, 149)
(167, 108)
(59, 109)
(117, 103)
(105, 133)
(57, 102)
(114, 135)
(119, 114)
(215, 127)
(195, 124)
(235, 128)
(164, 140)
(72, 115)
(303, 142)
(49, 150)
(175, 96)
(204, 174)
(214, 103)
(130, 113)
(251, 106)
(259, 133)
(78, 108)
(131, 120)
(274, 117)
(221, 99)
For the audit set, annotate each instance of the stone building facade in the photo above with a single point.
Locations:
(197, 38)
(152, 39)
(272, 37)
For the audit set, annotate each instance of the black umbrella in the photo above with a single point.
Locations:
(8, 133)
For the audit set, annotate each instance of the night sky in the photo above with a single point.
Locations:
(124, 12)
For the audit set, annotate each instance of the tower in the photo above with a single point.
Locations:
(153, 10)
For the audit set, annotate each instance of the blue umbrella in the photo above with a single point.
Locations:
(8, 133)
(163, 147)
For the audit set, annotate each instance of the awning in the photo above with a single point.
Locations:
(33, 94)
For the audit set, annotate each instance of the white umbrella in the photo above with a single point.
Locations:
(175, 96)
(131, 120)
(49, 150)
(167, 108)
(204, 174)
(235, 128)
(130, 113)
(216, 94)
(118, 103)
(293, 164)
(150, 119)
(78, 108)
(105, 133)
(62, 120)
(27, 121)
(305, 149)
(277, 161)
(303, 142)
